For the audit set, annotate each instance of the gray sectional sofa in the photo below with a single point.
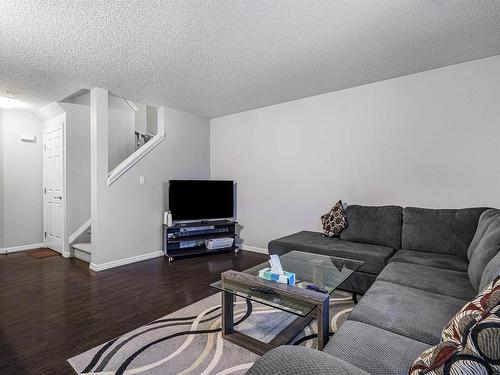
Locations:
(421, 267)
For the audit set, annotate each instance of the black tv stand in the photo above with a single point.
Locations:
(176, 234)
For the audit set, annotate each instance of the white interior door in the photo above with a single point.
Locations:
(54, 188)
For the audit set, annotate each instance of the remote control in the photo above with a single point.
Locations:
(316, 288)
(261, 289)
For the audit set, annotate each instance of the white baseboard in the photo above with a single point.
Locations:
(82, 255)
(122, 262)
(15, 249)
(260, 250)
(66, 254)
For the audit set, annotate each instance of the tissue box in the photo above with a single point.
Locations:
(284, 278)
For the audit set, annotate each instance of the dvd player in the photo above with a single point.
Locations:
(198, 231)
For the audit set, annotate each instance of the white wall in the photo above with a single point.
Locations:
(1, 181)
(146, 118)
(151, 120)
(121, 131)
(22, 179)
(77, 165)
(129, 215)
(430, 139)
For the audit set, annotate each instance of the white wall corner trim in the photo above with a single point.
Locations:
(255, 249)
(79, 231)
(122, 262)
(15, 249)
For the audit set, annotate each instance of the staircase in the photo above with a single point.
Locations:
(83, 251)
(82, 246)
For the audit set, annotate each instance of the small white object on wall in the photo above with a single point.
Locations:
(28, 138)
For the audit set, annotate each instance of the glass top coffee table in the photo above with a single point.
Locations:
(325, 272)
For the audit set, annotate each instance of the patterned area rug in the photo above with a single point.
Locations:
(189, 340)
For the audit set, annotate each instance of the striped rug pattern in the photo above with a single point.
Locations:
(189, 340)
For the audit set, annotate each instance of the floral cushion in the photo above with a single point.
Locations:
(335, 221)
(470, 342)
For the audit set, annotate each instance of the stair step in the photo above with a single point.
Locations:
(82, 255)
(84, 246)
(83, 251)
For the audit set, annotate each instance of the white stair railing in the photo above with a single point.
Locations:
(129, 162)
(79, 231)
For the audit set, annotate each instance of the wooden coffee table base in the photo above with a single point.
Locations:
(284, 337)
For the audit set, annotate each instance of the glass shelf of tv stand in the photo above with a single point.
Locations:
(203, 223)
(201, 237)
(189, 252)
(171, 245)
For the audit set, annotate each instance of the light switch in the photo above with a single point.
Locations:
(142, 180)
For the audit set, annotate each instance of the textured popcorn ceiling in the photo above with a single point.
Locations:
(219, 57)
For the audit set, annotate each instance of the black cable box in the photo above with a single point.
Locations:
(199, 232)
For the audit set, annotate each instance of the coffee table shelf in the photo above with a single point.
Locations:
(323, 271)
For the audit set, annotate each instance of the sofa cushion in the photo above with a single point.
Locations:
(488, 221)
(374, 225)
(446, 231)
(335, 221)
(373, 349)
(491, 271)
(449, 262)
(297, 360)
(406, 311)
(470, 342)
(375, 257)
(484, 246)
(446, 282)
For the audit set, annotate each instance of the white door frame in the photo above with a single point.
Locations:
(58, 122)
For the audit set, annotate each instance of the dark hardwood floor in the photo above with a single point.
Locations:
(53, 308)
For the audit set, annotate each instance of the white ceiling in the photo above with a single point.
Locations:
(219, 57)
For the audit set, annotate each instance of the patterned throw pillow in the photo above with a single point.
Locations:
(335, 221)
(470, 342)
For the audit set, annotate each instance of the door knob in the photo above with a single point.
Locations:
(58, 197)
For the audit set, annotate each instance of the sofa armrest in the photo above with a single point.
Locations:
(297, 360)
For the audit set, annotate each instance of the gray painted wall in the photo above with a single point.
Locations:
(121, 131)
(129, 215)
(430, 139)
(1, 180)
(22, 179)
(77, 165)
(146, 118)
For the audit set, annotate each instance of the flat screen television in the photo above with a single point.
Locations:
(201, 199)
